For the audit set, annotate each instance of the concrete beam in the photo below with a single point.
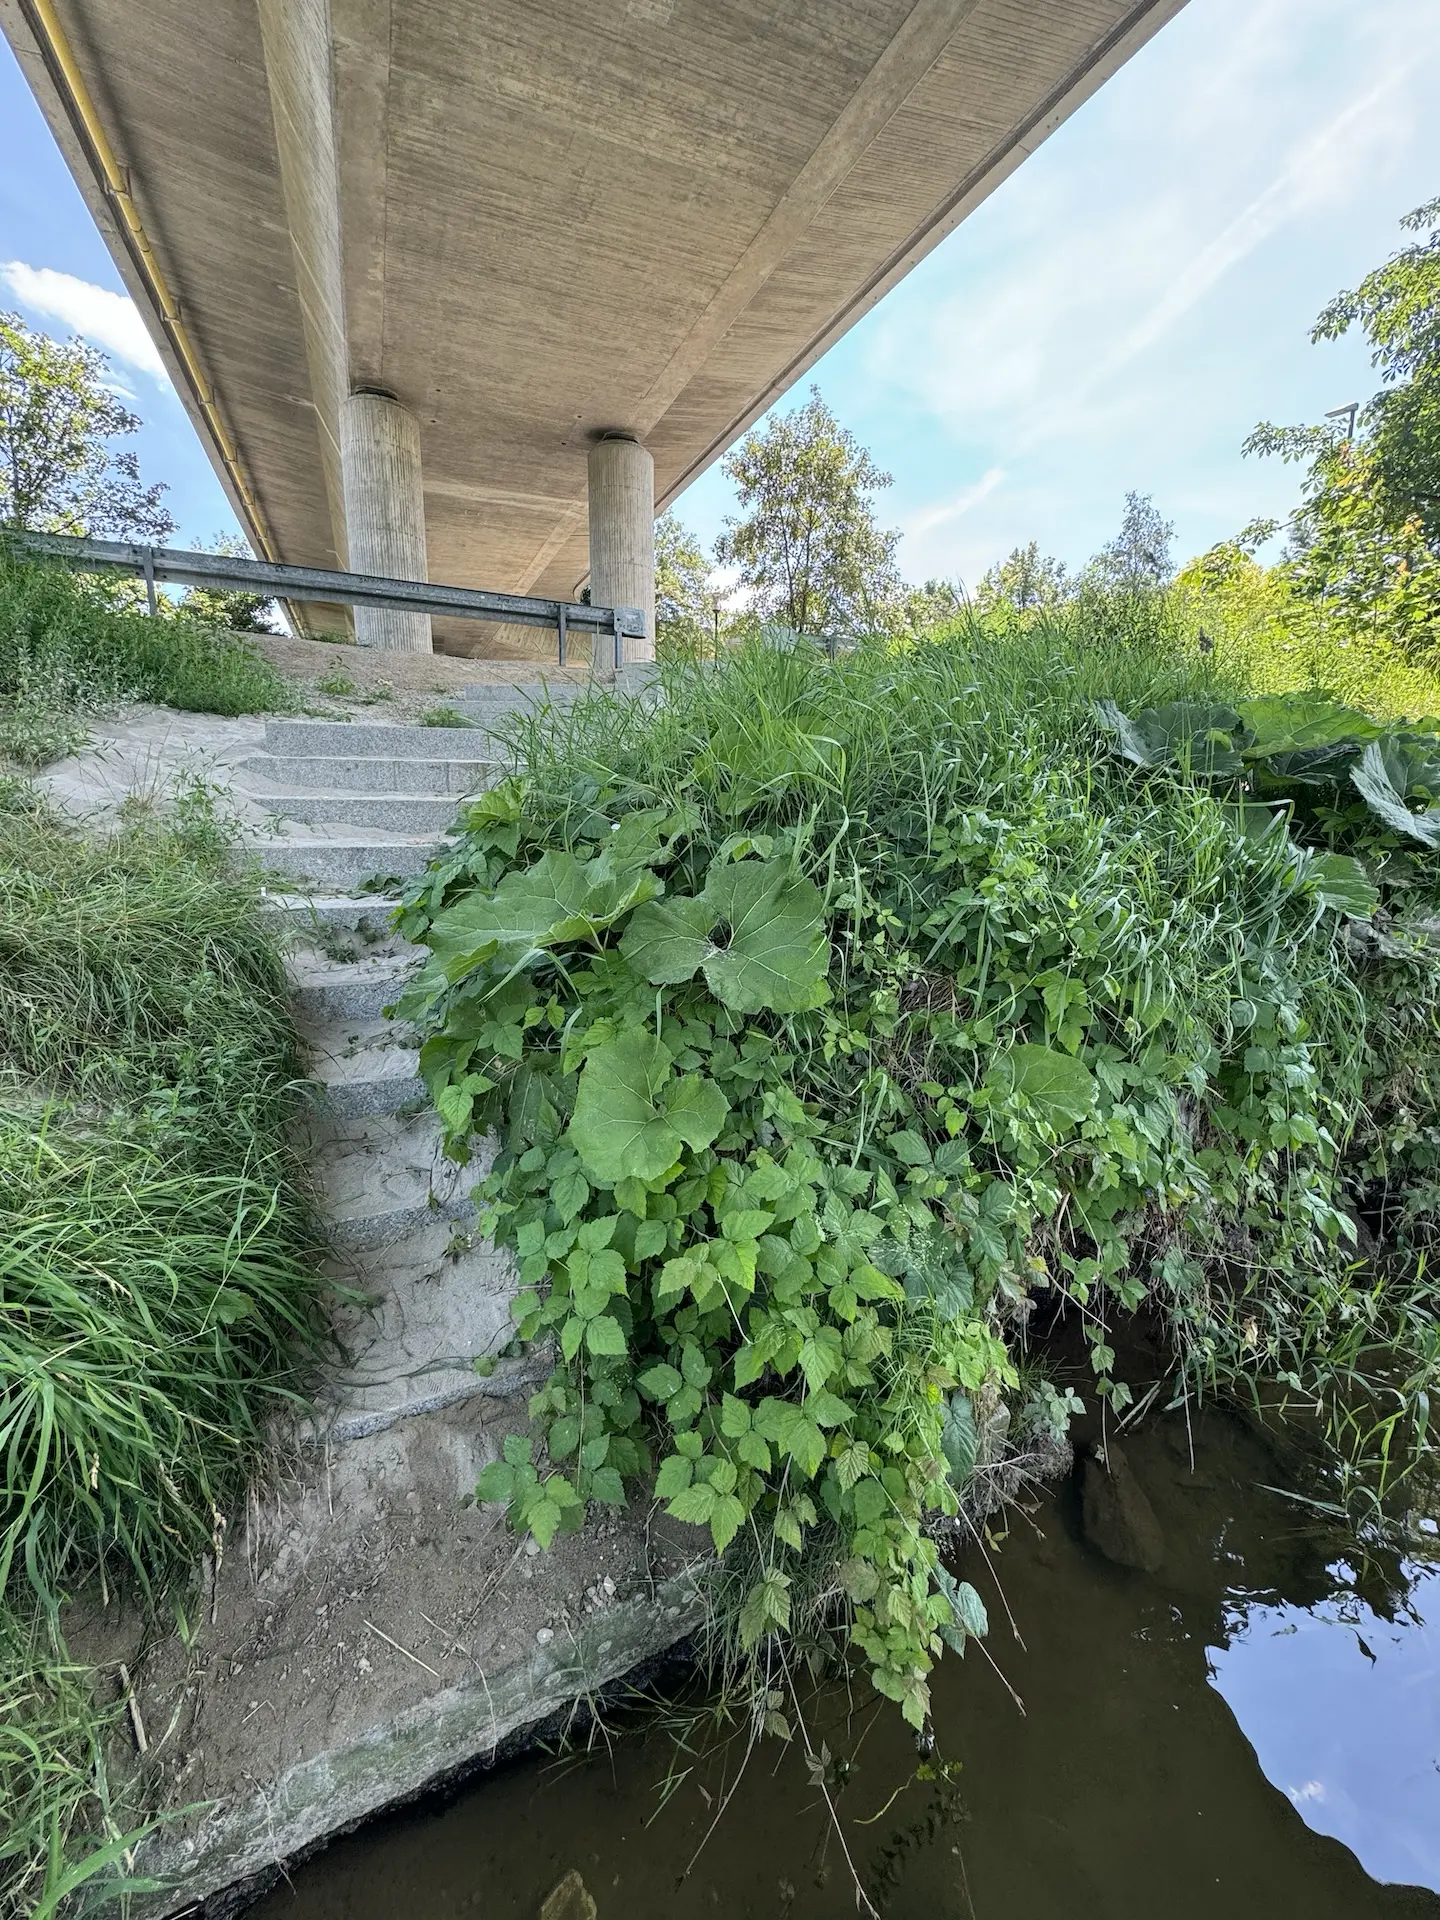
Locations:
(622, 532)
(295, 35)
(385, 513)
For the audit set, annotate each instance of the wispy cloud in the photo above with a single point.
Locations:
(928, 518)
(107, 320)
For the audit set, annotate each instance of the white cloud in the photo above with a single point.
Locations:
(107, 320)
(938, 516)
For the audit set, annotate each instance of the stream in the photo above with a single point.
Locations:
(1252, 1732)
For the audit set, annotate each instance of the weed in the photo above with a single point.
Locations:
(65, 645)
(152, 1232)
(443, 717)
(833, 1016)
(337, 683)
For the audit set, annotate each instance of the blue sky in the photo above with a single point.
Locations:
(1118, 315)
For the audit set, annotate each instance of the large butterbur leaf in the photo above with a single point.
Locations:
(1389, 771)
(756, 931)
(1197, 737)
(1302, 722)
(559, 898)
(633, 1113)
(1339, 881)
(1057, 1088)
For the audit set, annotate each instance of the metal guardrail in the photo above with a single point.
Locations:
(178, 567)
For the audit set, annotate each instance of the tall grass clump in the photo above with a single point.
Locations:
(158, 1298)
(844, 1024)
(68, 647)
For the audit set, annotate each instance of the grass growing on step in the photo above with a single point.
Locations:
(53, 1780)
(68, 647)
(158, 1298)
(443, 717)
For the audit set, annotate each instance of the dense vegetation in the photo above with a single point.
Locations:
(70, 645)
(843, 1021)
(156, 1266)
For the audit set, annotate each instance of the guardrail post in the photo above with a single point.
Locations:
(619, 642)
(560, 625)
(147, 567)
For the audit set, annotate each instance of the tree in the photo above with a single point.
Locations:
(684, 606)
(935, 604)
(59, 472)
(1138, 559)
(230, 607)
(1027, 580)
(1364, 543)
(1398, 309)
(807, 543)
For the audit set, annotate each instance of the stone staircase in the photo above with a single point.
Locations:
(344, 802)
(372, 1629)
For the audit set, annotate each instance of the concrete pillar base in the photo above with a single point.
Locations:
(385, 513)
(622, 533)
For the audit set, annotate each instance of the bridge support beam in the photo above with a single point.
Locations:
(385, 513)
(622, 533)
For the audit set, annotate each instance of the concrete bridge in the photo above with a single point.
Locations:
(467, 291)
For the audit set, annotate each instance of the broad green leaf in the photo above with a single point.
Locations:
(605, 1336)
(909, 1147)
(660, 1382)
(674, 1476)
(694, 1503)
(756, 930)
(1197, 737)
(1338, 880)
(1056, 1086)
(726, 1518)
(860, 1580)
(497, 1482)
(766, 1605)
(1289, 722)
(607, 1487)
(959, 1441)
(968, 1618)
(632, 1115)
(1386, 773)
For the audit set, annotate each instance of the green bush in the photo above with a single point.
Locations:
(158, 1290)
(833, 1017)
(65, 644)
(149, 1224)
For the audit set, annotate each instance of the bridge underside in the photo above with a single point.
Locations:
(530, 222)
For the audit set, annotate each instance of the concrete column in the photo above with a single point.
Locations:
(622, 534)
(385, 513)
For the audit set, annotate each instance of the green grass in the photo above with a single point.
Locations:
(444, 717)
(68, 647)
(158, 1290)
(60, 1833)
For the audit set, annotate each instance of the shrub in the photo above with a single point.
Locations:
(833, 1018)
(65, 644)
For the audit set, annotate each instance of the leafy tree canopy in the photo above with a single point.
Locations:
(1139, 558)
(1365, 540)
(807, 543)
(1026, 580)
(59, 469)
(684, 606)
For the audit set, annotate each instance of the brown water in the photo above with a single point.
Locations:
(1188, 1744)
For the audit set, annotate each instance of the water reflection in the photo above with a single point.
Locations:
(1342, 1707)
(1129, 1784)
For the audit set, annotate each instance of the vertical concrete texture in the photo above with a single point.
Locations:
(295, 35)
(622, 533)
(385, 513)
